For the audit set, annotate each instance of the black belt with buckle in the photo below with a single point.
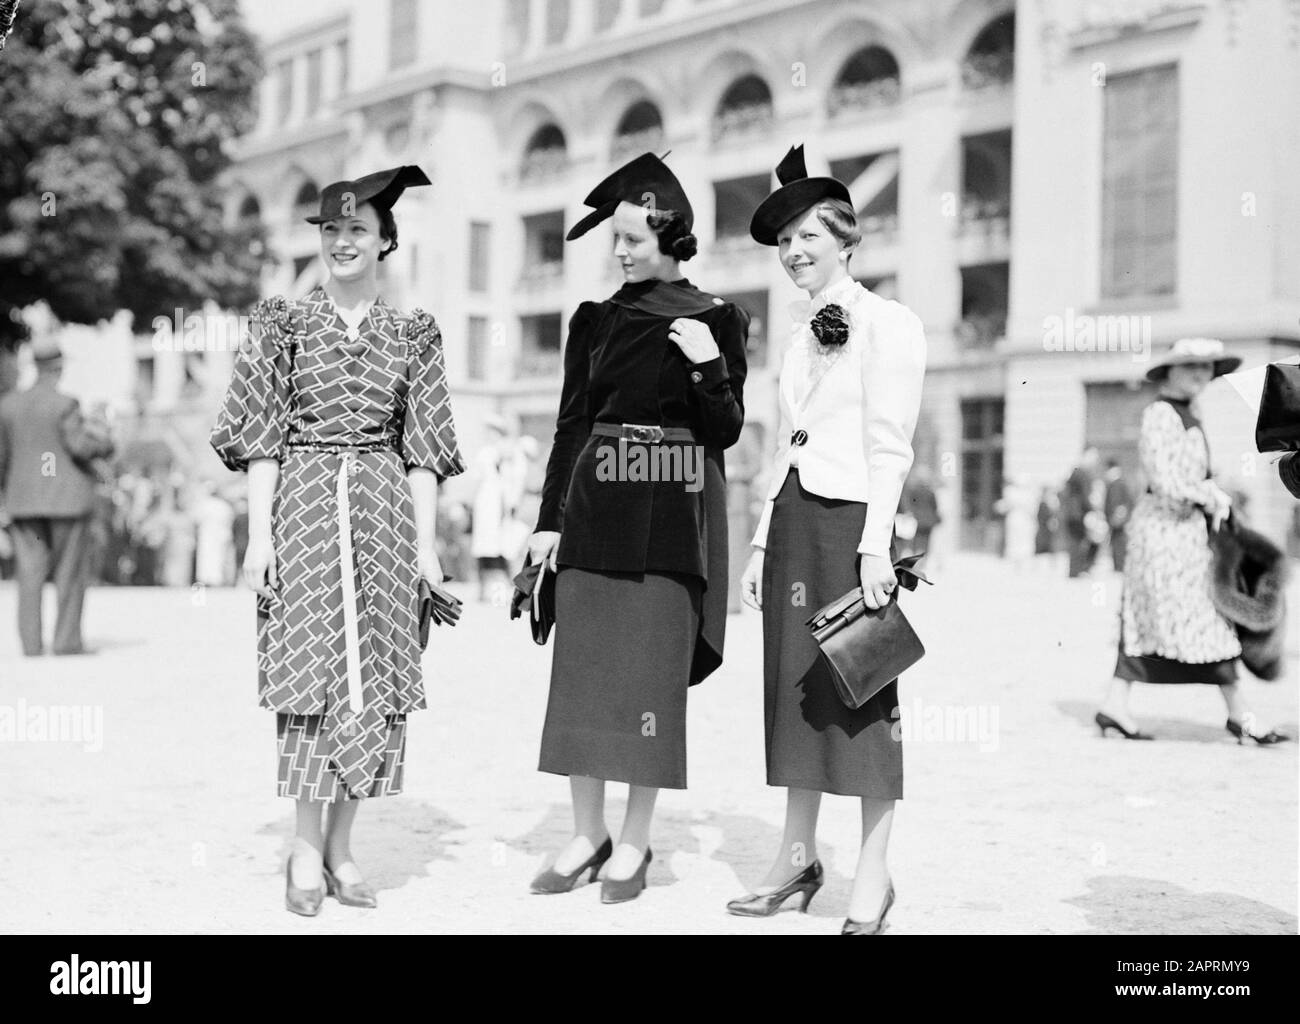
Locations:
(799, 438)
(643, 433)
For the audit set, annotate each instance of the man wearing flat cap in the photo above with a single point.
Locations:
(47, 492)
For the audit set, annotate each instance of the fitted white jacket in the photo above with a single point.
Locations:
(858, 405)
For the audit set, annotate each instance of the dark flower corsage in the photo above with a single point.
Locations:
(421, 331)
(277, 316)
(830, 326)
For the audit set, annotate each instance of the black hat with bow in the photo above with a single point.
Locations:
(645, 181)
(797, 193)
(381, 190)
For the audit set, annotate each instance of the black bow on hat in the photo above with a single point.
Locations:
(797, 193)
(381, 190)
(645, 181)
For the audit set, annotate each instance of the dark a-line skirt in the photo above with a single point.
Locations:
(623, 648)
(813, 740)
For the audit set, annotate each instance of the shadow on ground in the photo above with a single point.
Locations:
(1126, 905)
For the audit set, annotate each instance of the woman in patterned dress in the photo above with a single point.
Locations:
(338, 410)
(1170, 630)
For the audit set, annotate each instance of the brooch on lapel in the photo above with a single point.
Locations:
(830, 326)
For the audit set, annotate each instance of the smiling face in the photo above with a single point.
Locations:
(1189, 379)
(636, 247)
(809, 252)
(350, 246)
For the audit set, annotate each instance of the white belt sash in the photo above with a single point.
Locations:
(347, 562)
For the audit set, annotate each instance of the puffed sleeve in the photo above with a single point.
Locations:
(893, 372)
(573, 422)
(784, 425)
(253, 418)
(1168, 460)
(718, 385)
(428, 430)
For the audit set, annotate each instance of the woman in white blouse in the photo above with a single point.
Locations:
(850, 391)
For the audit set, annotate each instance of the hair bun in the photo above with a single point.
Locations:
(685, 247)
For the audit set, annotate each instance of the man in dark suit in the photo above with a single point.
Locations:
(1077, 507)
(1119, 503)
(47, 492)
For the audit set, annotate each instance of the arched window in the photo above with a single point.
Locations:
(745, 108)
(307, 200)
(991, 60)
(640, 129)
(868, 79)
(248, 222)
(547, 153)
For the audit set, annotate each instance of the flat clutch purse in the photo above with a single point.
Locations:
(535, 587)
(867, 649)
(435, 605)
(1278, 426)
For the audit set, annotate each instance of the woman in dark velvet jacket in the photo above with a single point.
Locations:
(633, 520)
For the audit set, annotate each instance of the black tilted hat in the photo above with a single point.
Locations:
(645, 181)
(797, 193)
(381, 189)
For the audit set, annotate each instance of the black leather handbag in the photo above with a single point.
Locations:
(435, 605)
(1278, 426)
(867, 649)
(535, 587)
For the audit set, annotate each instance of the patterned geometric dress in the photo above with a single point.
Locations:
(346, 414)
(1170, 630)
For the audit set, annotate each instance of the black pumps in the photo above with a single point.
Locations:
(1245, 729)
(852, 927)
(350, 894)
(806, 883)
(1104, 722)
(551, 882)
(620, 890)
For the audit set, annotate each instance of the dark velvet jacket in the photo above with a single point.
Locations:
(620, 366)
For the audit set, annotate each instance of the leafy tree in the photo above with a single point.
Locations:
(115, 121)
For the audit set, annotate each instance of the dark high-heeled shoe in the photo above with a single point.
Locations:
(350, 894)
(620, 890)
(852, 927)
(551, 882)
(1104, 722)
(305, 902)
(807, 882)
(1245, 729)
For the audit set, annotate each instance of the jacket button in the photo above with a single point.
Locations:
(696, 376)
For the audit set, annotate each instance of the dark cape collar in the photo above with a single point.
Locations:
(1183, 407)
(665, 298)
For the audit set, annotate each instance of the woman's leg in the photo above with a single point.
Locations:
(1116, 703)
(872, 879)
(635, 837)
(338, 841)
(589, 830)
(308, 846)
(798, 841)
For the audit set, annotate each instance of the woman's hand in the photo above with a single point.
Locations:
(878, 580)
(260, 572)
(429, 565)
(751, 581)
(694, 339)
(543, 547)
(1219, 508)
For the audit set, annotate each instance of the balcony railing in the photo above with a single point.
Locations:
(738, 122)
(883, 92)
(538, 363)
(543, 163)
(540, 276)
(632, 144)
(988, 70)
(981, 331)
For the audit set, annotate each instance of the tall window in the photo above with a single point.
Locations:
(478, 347)
(480, 241)
(343, 67)
(313, 82)
(539, 349)
(283, 91)
(981, 471)
(734, 201)
(1139, 214)
(403, 33)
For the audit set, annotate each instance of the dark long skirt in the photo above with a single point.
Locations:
(623, 647)
(1151, 668)
(813, 740)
